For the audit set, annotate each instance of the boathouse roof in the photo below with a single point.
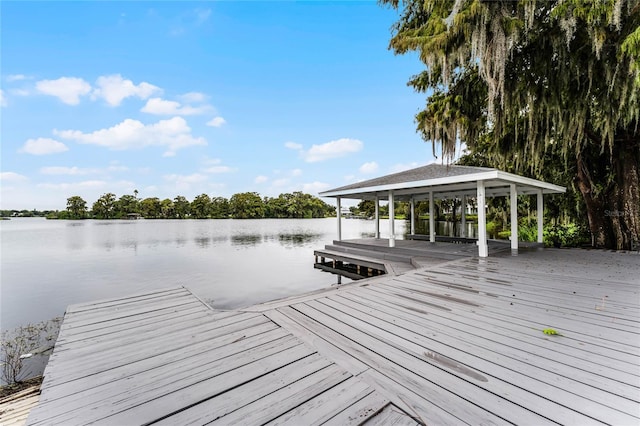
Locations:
(445, 181)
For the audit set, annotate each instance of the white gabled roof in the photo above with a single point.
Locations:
(444, 181)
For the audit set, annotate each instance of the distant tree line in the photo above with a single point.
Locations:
(245, 205)
(25, 213)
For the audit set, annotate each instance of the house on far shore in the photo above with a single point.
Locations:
(133, 216)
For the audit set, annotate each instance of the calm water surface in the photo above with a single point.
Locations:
(47, 265)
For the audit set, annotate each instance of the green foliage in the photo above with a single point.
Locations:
(181, 207)
(201, 207)
(104, 207)
(151, 208)
(569, 235)
(296, 205)
(367, 208)
(503, 235)
(528, 233)
(492, 228)
(21, 341)
(63, 214)
(127, 204)
(540, 86)
(76, 207)
(219, 208)
(246, 205)
(167, 209)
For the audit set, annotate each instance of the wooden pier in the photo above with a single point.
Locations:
(165, 357)
(460, 341)
(364, 258)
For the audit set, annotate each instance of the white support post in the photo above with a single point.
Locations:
(339, 211)
(392, 215)
(483, 249)
(513, 205)
(463, 217)
(540, 214)
(432, 220)
(413, 216)
(377, 217)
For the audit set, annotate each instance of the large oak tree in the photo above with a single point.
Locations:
(537, 79)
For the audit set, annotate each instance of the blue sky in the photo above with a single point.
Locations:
(179, 98)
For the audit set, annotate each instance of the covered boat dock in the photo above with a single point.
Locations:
(437, 181)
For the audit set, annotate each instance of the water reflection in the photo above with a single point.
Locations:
(219, 239)
(297, 239)
(236, 263)
(246, 240)
(202, 242)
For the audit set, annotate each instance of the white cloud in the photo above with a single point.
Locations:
(114, 89)
(19, 92)
(333, 149)
(16, 77)
(74, 185)
(368, 168)
(193, 97)
(3, 99)
(12, 177)
(219, 169)
(185, 182)
(296, 172)
(174, 134)
(280, 182)
(67, 89)
(314, 187)
(404, 166)
(261, 179)
(43, 146)
(192, 178)
(160, 106)
(60, 170)
(80, 171)
(293, 145)
(211, 161)
(216, 122)
(115, 167)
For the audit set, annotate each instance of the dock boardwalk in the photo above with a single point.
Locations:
(462, 342)
(166, 357)
(457, 342)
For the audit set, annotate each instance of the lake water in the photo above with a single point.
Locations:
(47, 265)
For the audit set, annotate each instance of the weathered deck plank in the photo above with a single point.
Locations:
(503, 380)
(518, 354)
(390, 416)
(171, 359)
(431, 404)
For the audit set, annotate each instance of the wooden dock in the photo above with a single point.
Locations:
(364, 258)
(461, 342)
(166, 358)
